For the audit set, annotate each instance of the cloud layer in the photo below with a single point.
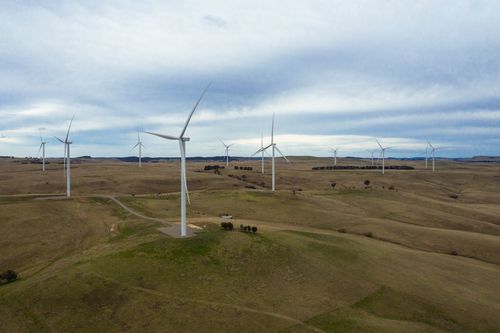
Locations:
(334, 73)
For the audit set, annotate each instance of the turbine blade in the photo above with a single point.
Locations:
(261, 149)
(223, 143)
(258, 151)
(69, 128)
(39, 149)
(192, 111)
(379, 144)
(59, 139)
(168, 137)
(187, 192)
(134, 146)
(279, 151)
(272, 131)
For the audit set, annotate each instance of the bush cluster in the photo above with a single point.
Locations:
(248, 228)
(213, 167)
(243, 168)
(227, 226)
(8, 276)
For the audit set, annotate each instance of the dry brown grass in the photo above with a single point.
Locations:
(76, 276)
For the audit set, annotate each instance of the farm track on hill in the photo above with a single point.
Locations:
(261, 224)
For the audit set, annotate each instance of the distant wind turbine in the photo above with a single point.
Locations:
(382, 153)
(432, 152)
(372, 152)
(67, 159)
(227, 152)
(42, 148)
(140, 145)
(334, 151)
(273, 145)
(182, 146)
(426, 153)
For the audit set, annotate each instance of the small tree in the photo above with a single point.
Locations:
(8, 276)
(367, 182)
(254, 229)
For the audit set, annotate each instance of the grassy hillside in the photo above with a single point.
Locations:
(348, 259)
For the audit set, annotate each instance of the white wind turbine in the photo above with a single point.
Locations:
(382, 153)
(67, 159)
(182, 146)
(432, 152)
(227, 151)
(334, 151)
(273, 145)
(42, 148)
(140, 145)
(372, 152)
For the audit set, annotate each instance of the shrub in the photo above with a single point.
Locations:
(242, 227)
(254, 229)
(454, 253)
(342, 230)
(367, 182)
(227, 225)
(391, 187)
(453, 196)
(8, 276)
(333, 184)
(369, 234)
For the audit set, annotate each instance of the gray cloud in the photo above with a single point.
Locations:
(327, 68)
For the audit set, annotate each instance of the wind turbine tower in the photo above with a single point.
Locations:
(42, 148)
(227, 152)
(275, 148)
(382, 153)
(140, 145)
(182, 146)
(372, 152)
(426, 153)
(432, 152)
(67, 159)
(334, 151)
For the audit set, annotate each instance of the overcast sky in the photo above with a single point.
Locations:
(335, 73)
